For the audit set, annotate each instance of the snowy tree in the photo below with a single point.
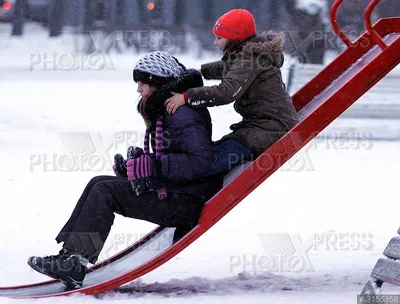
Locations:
(306, 29)
(351, 17)
(56, 18)
(388, 8)
(313, 7)
(21, 7)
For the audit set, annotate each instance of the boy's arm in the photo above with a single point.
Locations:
(234, 85)
(213, 70)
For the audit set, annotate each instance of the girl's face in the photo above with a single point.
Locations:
(221, 42)
(145, 90)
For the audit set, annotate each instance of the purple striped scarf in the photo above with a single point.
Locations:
(159, 150)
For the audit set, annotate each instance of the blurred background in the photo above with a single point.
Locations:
(175, 24)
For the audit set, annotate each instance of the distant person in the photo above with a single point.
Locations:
(252, 80)
(167, 189)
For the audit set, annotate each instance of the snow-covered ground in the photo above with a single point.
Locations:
(336, 202)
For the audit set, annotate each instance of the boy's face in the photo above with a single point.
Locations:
(145, 90)
(220, 42)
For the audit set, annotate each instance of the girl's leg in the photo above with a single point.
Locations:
(96, 216)
(63, 234)
(228, 154)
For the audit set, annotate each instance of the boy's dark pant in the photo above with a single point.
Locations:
(90, 223)
(228, 154)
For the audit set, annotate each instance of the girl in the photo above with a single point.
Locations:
(171, 192)
(252, 80)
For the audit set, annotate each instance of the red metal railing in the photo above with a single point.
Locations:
(368, 25)
(367, 21)
(335, 25)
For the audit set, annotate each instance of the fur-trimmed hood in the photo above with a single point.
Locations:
(154, 106)
(268, 44)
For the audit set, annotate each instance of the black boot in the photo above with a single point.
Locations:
(180, 232)
(65, 267)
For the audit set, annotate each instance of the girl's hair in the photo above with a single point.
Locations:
(146, 119)
(142, 111)
(230, 45)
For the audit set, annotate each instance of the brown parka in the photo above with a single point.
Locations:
(252, 79)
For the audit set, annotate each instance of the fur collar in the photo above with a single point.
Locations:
(154, 107)
(266, 42)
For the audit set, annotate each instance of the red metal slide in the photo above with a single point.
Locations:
(358, 68)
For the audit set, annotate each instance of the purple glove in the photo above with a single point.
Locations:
(140, 167)
(143, 167)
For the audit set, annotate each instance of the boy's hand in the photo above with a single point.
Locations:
(173, 103)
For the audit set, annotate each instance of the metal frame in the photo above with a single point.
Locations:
(368, 25)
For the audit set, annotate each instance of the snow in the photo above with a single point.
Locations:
(312, 6)
(336, 201)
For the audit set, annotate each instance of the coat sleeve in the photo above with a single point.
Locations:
(213, 70)
(240, 76)
(196, 154)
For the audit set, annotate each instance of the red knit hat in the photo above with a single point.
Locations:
(237, 24)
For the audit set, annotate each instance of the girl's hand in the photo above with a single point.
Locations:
(173, 103)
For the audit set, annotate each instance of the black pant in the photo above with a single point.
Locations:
(90, 223)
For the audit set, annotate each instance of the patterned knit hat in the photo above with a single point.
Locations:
(157, 68)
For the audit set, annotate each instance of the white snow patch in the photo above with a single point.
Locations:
(312, 6)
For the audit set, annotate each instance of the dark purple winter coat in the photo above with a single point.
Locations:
(187, 141)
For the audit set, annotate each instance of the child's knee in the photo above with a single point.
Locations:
(98, 179)
(233, 160)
